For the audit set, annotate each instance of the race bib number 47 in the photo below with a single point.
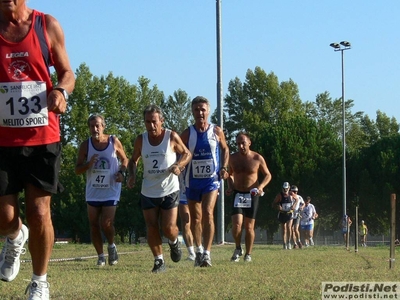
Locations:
(101, 178)
(23, 104)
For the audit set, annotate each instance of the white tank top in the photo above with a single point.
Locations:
(100, 179)
(157, 180)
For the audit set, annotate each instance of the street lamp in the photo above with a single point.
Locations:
(344, 45)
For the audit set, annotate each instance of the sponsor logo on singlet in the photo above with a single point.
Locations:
(19, 70)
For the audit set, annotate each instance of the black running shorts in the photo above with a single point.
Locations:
(37, 165)
(250, 212)
(166, 202)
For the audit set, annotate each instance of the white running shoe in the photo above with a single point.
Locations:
(247, 258)
(9, 257)
(206, 261)
(38, 290)
(191, 257)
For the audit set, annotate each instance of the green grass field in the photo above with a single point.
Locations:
(274, 273)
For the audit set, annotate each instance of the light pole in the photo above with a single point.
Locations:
(221, 199)
(344, 45)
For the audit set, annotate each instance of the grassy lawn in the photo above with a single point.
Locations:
(274, 273)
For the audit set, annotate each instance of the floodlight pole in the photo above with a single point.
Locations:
(220, 203)
(342, 47)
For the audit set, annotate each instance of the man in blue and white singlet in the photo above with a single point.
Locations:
(159, 148)
(208, 166)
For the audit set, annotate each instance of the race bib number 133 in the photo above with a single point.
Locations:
(23, 104)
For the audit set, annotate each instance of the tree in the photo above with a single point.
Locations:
(374, 176)
(259, 101)
(177, 111)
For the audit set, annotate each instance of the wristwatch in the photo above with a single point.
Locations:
(64, 92)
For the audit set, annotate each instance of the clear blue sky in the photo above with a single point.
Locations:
(173, 43)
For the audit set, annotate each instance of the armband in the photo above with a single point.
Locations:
(224, 168)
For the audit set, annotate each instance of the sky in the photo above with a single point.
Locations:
(173, 44)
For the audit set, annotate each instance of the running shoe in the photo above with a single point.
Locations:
(191, 257)
(247, 258)
(9, 257)
(112, 255)
(38, 290)
(198, 259)
(176, 251)
(300, 245)
(101, 262)
(236, 255)
(159, 266)
(206, 261)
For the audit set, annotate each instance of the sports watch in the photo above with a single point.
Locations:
(64, 92)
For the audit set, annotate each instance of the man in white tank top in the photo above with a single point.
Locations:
(103, 159)
(159, 149)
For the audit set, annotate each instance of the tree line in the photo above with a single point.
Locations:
(300, 140)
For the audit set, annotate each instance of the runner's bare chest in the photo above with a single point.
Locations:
(246, 165)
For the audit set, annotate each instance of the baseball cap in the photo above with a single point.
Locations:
(286, 185)
(294, 188)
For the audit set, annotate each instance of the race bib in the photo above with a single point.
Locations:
(157, 164)
(100, 178)
(286, 206)
(203, 168)
(23, 104)
(242, 200)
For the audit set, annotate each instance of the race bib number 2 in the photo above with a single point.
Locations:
(23, 104)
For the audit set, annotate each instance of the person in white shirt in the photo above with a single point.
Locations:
(102, 158)
(296, 217)
(159, 148)
(308, 215)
